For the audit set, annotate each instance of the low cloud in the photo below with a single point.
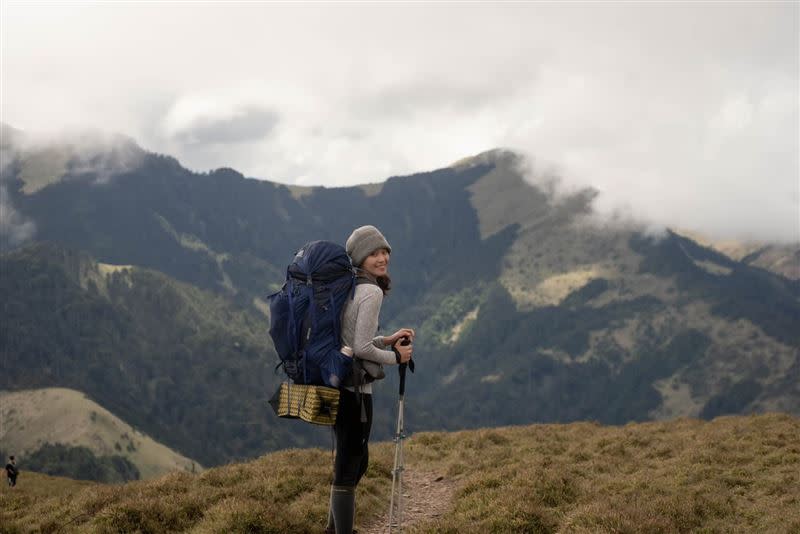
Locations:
(678, 114)
(106, 162)
(15, 229)
(197, 122)
(100, 154)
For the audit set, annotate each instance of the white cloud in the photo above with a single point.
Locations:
(14, 228)
(683, 114)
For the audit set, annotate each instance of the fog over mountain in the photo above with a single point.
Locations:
(684, 114)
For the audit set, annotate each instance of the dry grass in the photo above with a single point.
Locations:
(372, 190)
(281, 492)
(781, 259)
(501, 197)
(299, 191)
(734, 474)
(43, 167)
(554, 289)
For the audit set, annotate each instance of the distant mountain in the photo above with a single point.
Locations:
(232, 235)
(660, 327)
(527, 306)
(780, 259)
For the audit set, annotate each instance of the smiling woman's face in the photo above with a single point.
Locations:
(377, 263)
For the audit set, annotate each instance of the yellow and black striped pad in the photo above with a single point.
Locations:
(314, 404)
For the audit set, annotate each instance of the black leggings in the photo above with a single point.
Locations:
(352, 439)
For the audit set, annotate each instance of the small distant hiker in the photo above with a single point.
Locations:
(12, 471)
(369, 252)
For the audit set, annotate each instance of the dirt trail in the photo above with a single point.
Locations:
(427, 495)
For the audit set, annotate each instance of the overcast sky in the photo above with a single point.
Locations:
(682, 113)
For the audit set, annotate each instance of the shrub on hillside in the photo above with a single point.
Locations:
(80, 463)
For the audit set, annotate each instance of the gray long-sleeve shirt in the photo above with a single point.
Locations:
(360, 326)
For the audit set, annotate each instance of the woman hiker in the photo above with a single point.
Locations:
(369, 252)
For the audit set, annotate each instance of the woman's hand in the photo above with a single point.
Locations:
(403, 332)
(405, 352)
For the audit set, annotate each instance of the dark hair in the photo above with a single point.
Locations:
(385, 283)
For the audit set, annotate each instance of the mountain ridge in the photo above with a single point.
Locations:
(519, 296)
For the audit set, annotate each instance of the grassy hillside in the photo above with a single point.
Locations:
(733, 474)
(36, 487)
(31, 418)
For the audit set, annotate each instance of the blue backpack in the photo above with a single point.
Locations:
(306, 314)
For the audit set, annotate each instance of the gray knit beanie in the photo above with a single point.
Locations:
(364, 241)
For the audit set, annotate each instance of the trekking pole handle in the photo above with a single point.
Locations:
(403, 341)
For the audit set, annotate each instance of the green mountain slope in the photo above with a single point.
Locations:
(182, 365)
(528, 307)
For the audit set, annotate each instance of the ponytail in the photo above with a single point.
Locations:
(385, 283)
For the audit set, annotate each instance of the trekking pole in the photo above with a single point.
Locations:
(396, 503)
